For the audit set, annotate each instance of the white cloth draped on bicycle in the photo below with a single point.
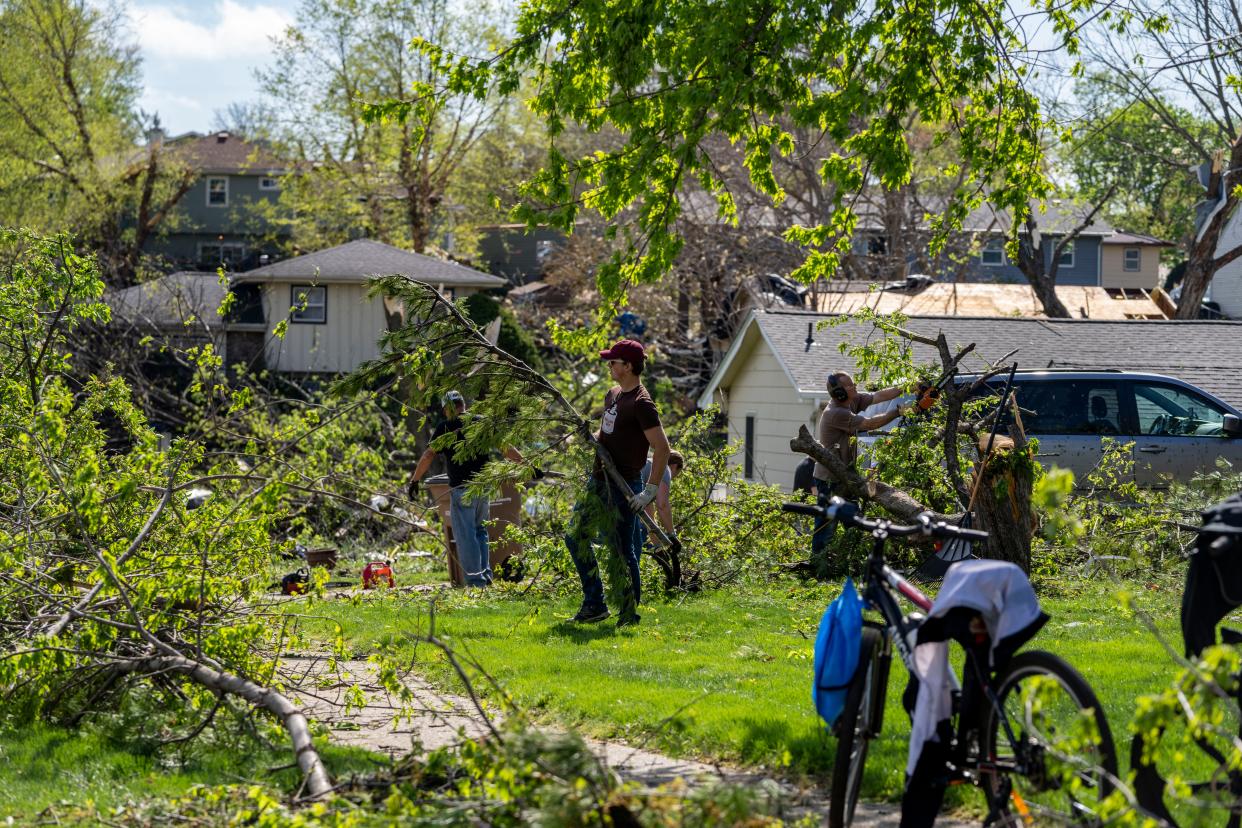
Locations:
(1002, 595)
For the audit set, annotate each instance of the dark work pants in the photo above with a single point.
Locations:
(602, 514)
(824, 529)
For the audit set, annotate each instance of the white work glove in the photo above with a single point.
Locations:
(643, 498)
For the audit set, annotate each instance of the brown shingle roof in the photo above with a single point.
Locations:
(223, 152)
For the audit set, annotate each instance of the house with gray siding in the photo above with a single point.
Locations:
(331, 325)
(224, 217)
(1099, 256)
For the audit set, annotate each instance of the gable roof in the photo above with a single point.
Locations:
(1203, 353)
(224, 152)
(357, 261)
(170, 300)
(1135, 239)
(1059, 216)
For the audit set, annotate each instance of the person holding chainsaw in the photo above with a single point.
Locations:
(630, 426)
(839, 426)
(468, 515)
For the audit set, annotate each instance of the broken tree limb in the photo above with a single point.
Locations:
(291, 717)
(851, 485)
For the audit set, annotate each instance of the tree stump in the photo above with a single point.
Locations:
(1002, 499)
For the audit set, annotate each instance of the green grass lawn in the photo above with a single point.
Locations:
(722, 675)
(726, 674)
(71, 771)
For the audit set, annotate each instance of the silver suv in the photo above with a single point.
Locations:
(1177, 429)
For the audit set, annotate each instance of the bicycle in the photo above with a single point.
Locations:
(1032, 736)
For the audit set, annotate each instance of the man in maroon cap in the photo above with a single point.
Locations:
(606, 512)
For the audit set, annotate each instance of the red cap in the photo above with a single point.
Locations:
(626, 349)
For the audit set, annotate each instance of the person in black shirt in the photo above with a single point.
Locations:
(629, 427)
(468, 514)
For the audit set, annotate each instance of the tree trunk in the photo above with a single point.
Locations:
(1202, 263)
(1195, 282)
(1046, 292)
(1002, 503)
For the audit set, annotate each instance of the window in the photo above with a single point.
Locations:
(544, 248)
(1163, 409)
(1070, 407)
(993, 253)
(269, 183)
(217, 254)
(1132, 259)
(247, 303)
(309, 304)
(1067, 255)
(217, 192)
(748, 448)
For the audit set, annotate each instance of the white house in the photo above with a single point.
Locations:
(772, 378)
(1226, 286)
(332, 326)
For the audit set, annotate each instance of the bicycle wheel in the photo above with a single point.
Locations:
(1050, 743)
(855, 729)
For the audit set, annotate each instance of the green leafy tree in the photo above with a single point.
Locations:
(669, 77)
(389, 176)
(69, 132)
(110, 585)
(1177, 63)
(1147, 166)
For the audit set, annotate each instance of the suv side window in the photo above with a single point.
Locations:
(1164, 409)
(1070, 407)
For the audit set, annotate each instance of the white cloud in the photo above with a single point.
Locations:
(236, 31)
(160, 100)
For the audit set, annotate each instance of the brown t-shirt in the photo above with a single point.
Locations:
(627, 414)
(838, 425)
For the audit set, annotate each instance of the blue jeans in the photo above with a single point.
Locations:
(602, 514)
(824, 528)
(469, 516)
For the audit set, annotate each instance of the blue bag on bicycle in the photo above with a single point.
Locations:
(836, 653)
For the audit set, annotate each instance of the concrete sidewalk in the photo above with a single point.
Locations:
(439, 719)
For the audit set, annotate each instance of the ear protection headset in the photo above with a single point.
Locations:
(836, 390)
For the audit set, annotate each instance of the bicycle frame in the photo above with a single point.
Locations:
(882, 593)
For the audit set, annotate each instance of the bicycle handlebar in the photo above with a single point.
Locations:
(849, 514)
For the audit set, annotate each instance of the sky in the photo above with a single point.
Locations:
(198, 56)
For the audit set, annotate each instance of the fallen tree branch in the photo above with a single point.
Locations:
(851, 485)
(318, 783)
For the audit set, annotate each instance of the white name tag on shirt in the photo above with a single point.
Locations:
(610, 419)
